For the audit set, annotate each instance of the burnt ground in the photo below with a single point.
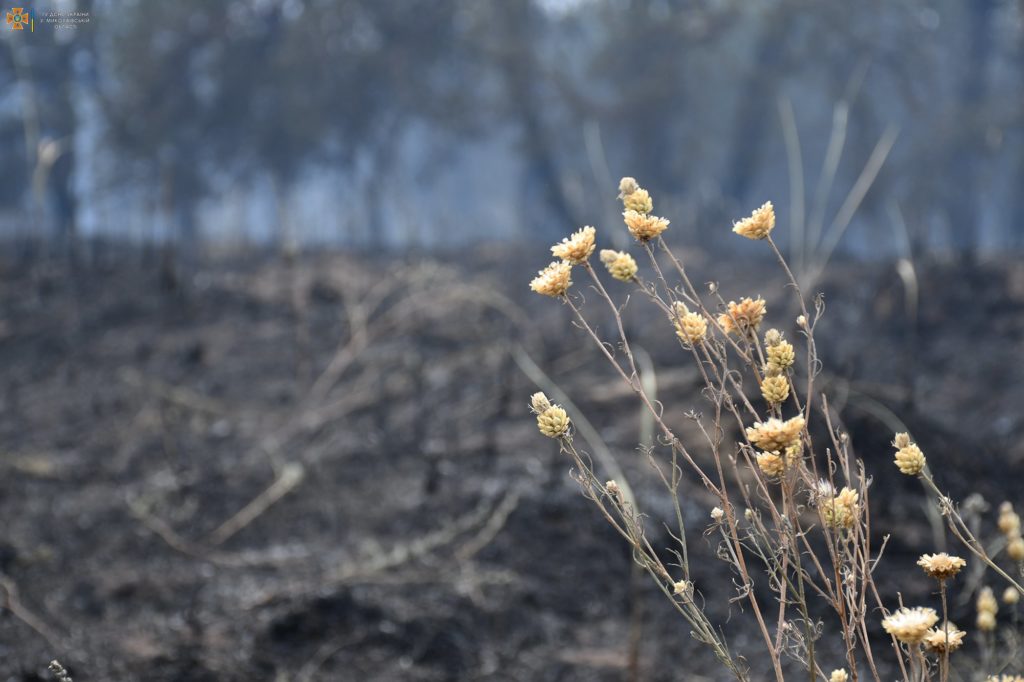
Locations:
(400, 517)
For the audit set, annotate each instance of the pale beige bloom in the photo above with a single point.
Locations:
(576, 249)
(781, 356)
(1015, 548)
(910, 626)
(539, 402)
(742, 317)
(1011, 596)
(613, 489)
(627, 186)
(941, 566)
(775, 389)
(1009, 521)
(759, 224)
(775, 434)
(909, 458)
(842, 510)
(839, 675)
(944, 639)
(986, 621)
(1004, 678)
(986, 602)
(682, 587)
(691, 327)
(717, 514)
(639, 200)
(554, 280)
(772, 463)
(644, 227)
(553, 422)
(619, 264)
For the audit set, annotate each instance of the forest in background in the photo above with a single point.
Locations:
(415, 123)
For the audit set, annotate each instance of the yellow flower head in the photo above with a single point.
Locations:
(1015, 548)
(944, 639)
(775, 434)
(986, 621)
(780, 356)
(909, 458)
(619, 264)
(742, 317)
(577, 248)
(941, 566)
(759, 224)
(910, 626)
(839, 675)
(642, 226)
(639, 201)
(842, 510)
(539, 402)
(553, 422)
(627, 186)
(986, 602)
(1011, 596)
(772, 463)
(1009, 521)
(775, 389)
(554, 280)
(691, 327)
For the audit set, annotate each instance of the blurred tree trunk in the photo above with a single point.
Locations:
(963, 163)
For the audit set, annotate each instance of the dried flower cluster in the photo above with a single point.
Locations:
(910, 626)
(690, 326)
(804, 519)
(941, 566)
(759, 224)
(909, 458)
(620, 265)
(743, 317)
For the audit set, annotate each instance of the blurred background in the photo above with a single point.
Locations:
(266, 341)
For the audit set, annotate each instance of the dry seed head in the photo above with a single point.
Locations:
(639, 201)
(775, 434)
(759, 224)
(553, 422)
(539, 402)
(941, 566)
(717, 514)
(839, 675)
(781, 356)
(1011, 596)
(772, 337)
(691, 327)
(619, 264)
(682, 587)
(576, 248)
(1009, 521)
(1015, 548)
(742, 317)
(842, 510)
(944, 639)
(910, 626)
(613, 489)
(775, 389)
(642, 226)
(801, 321)
(986, 602)
(772, 463)
(554, 280)
(627, 186)
(910, 460)
(986, 621)
(901, 441)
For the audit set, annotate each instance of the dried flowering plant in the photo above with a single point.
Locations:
(792, 509)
